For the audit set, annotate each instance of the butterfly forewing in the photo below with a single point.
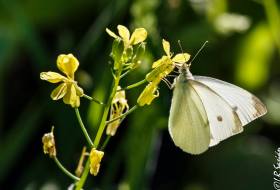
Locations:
(188, 123)
(247, 106)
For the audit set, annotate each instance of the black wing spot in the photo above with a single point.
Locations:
(219, 118)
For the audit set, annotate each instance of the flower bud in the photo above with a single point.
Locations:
(95, 159)
(117, 52)
(127, 56)
(49, 144)
(138, 55)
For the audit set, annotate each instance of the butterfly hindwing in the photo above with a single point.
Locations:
(223, 120)
(188, 123)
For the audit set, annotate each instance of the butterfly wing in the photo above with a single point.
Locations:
(188, 125)
(223, 120)
(247, 106)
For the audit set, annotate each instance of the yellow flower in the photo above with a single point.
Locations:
(118, 107)
(149, 93)
(95, 159)
(138, 35)
(178, 59)
(166, 64)
(68, 88)
(49, 144)
(161, 68)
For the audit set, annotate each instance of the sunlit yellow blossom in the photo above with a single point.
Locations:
(163, 66)
(49, 144)
(95, 158)
(149, 93)
(138, 35)
(179, 58)
(68, 88)
(118, 107)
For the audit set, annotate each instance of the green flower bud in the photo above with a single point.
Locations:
(128, 54)
(136, 61)
(117, 52)
(140, 51)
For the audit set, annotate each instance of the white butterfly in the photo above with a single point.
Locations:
(205, 111)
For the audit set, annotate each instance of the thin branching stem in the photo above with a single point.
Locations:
(65, 170)
(134, 85)
(123, 115)
(81, 182)
(105, 142)
(92, 99)
(101, 128)
(83, 127)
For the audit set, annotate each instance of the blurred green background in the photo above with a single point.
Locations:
(243, 48)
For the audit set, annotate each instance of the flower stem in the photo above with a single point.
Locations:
(92, 99)
(101, 128)
(65, 170)
(81, 182)
(134, 85)
(123, 115)
(105, 113)
(83, 127)
(105, 142)
(125, 73)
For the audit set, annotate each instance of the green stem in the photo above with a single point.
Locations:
(134, 85)
(65, 170)
(105, 142)
(101, 128)
(83, 127)
(105, 113)
(81, 182)
(125, 73)
(92, 99)
(123, 115)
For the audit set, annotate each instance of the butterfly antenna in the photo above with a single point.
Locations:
(204, 44)
(179, 43)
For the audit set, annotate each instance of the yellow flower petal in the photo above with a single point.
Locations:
(95, 158)
(112, 34)
(112, 128)
(120, 96)
(181, 58)
(76, 103)
(59, 91)
(79, 90)
(166, 47)
(68, 64)
(71, 96)
(124, 34)
(161, 71)
(139, 35)
(159, 61)
(149, 93)
(52, 77)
